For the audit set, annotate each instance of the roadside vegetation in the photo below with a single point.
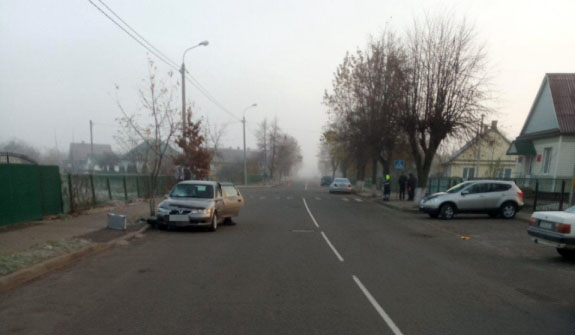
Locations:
(405, 94)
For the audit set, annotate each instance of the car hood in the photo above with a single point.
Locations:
(188, 203)
(561, 217)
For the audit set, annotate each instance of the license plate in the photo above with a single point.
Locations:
(179, 218)
(546, 225)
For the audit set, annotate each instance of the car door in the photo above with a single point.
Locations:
(473, 197)
(220, 202)
(496, 195)
(231, 200)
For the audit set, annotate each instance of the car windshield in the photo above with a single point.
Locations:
(193, 191)
(571, 210)
(342, 180)
(457, 188)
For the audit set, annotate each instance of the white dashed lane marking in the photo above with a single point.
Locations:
(345, 199)
(357, 199)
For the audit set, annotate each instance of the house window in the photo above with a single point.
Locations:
(468, 172)
(507, 173)
(546, 160)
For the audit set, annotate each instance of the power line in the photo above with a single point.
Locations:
(140, 36)
(132, 36)
(161, 56)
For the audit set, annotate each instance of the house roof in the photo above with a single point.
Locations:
(473, 141)
(562, 89)
(144, 148)
(81, 151)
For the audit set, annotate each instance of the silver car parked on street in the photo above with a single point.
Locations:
(493, 197)
(342, 185)
(196, 203)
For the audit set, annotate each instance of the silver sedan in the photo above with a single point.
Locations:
(197, 203)
(340, 185)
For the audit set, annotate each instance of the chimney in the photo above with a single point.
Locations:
(494, 124)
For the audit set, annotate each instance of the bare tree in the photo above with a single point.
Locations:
(444, 90)
(156, 126)
(213, 134)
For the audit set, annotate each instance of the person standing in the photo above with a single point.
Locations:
(386, 187)
(411, 184)
(402, 186)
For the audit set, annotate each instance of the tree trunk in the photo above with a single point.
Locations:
(374, 176)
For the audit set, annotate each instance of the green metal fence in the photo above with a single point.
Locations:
(84, 191)
(28, 192)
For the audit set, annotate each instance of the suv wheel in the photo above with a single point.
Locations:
(508, 210)
(447, 211)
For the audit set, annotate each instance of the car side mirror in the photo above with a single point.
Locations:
(166, 196)
(464, 193)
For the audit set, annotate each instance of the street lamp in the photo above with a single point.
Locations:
(245, 161)
(183, 72)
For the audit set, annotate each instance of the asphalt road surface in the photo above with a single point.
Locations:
(302, 261)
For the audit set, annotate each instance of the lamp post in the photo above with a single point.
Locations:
(245, 160)
(183, 72)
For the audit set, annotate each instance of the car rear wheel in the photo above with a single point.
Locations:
(508, 210)
(447, 211)
(567, 253)
(214, 225)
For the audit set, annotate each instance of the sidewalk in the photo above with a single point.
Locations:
(412, 207)
(26, 245)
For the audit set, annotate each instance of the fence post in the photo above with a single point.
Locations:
(92, 189)
(138, 186)
(562, 195)
(536, 193)
(109, 188)
(125, 189)
(71, 193)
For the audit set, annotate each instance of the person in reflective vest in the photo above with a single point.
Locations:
(386, 187)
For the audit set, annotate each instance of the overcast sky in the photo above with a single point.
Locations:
(60, 60)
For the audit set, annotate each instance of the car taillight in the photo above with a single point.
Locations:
(520, 194)
(532, 221)
(563, 228)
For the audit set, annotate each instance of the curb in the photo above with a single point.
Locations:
(23, 276)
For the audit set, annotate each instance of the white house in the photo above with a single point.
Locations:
(545, 147)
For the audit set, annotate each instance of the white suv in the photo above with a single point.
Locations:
(493, 197)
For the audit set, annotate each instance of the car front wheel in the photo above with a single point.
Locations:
(508, 210)
(447, 211)
(214, 225)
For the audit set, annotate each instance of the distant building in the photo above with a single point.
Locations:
(482, 157)
(86, 157)
(141, 158)
(545, 148)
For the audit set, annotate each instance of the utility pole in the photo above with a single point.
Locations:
(91, 146)
(478, 143)
(245, 159)
(183, 72)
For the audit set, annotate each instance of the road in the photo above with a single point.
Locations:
(302, 261)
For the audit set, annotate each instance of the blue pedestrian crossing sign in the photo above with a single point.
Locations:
(399, 165)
